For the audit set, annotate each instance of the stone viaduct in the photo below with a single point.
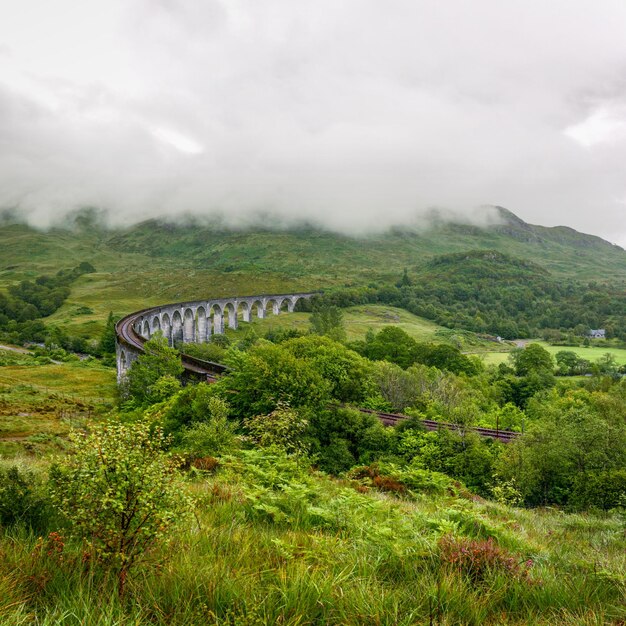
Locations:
(195, 321)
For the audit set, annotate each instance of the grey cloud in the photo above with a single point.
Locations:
(356, 115)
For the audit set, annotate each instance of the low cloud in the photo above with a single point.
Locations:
(352, 115)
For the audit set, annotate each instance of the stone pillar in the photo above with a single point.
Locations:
(166, 326)
(218, 323)
(246, 312)
(189, 324)
(232, 318)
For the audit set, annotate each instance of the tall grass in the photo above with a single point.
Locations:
(334, 555)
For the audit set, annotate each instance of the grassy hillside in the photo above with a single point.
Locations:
(310, 252)
(358, 320)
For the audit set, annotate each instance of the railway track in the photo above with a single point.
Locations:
(393, 419)
(127, 336)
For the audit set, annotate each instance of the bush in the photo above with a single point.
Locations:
(479, 559)
(157, 362)
(22, 500)
(602, 490)
(213, 438)
(191, 405)
(283, 428)
(389, 477)
(120, 493)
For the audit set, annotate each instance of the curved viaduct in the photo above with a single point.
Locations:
(197, 321)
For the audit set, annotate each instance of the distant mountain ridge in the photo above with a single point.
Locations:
(307, 253)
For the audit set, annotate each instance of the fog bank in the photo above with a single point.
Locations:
(354, 115)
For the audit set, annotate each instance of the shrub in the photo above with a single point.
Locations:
(390, 477)
(283, 428)
(158, 361)
(120, 493)
(213, 438)
(22, 500)
(192, 405)
(478, 559)
(602, 490)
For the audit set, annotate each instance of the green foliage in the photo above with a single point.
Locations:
(22, 499)
(108, 337)
(407, 480)
(120, 492)
(392, 344)
(268, 374)
(461, 455)
(448, 358)
(142, 384)
(211, 351)
(599, 489)
(193, 404)
(214, 437)
(395, 345)
(327, 319)
(347, 373)
(570, 364)
(343, 437)
(283, 429)
(575, 439)
(532, 359)
(29, 300)
(506, 492)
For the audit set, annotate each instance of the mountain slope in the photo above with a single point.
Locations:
(312, 252)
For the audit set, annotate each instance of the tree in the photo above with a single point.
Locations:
(446, 357)
(327, 319)
(568, 363)
(120, 492)
(268, 374)
(570, 439)
(532, 358)
(158, 360)
(107, 339)
(405, 281)
(392, 344)
(348, 373)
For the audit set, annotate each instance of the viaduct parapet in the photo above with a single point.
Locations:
(197, 321)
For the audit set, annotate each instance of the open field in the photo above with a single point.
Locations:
(41, 402)
(358, 320)
(589, 353)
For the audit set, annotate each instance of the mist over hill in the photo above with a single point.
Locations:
(303, 252)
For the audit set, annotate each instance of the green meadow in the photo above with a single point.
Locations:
(591, 354)
(40, 402)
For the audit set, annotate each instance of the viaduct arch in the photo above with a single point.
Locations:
(197, 321)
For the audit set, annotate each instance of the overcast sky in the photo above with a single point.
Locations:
(353, 113)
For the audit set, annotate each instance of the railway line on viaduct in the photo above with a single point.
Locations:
(197, 321)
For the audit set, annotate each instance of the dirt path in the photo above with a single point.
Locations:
(14, 349)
